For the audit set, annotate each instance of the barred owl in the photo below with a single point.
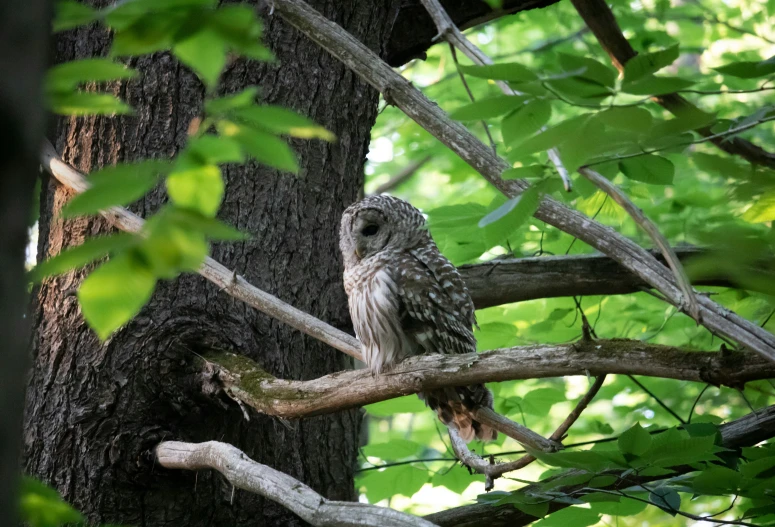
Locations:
(406, 299)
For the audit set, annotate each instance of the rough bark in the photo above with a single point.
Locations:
(23, 37)
(95, 410)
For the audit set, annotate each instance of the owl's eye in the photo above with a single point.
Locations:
(370, 230)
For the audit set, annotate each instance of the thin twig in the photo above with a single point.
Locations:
(657, 399)
(697, 400)
(690, 300)
(244, 473)
(450, 32)
(471, 95)
(404, 174)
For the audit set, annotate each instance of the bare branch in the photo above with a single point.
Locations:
(407, 172)
(400, 92)
(746, 431)
(503, 281)
(449, 32)
(248, 382)
(226, 279)
(516, 431)
(690, 300)
(601, 21)
(244, 473)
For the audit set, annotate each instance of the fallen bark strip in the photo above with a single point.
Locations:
(245, 381)
(244, 473)
(401, 93)
(746, 431)
(504, 281)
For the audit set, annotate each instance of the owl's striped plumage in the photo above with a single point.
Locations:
(407, 299)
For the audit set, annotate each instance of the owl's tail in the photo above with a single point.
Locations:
(454, 407)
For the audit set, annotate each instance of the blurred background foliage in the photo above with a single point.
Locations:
(702, 196)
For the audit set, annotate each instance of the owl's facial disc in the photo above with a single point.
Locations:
(370, 233)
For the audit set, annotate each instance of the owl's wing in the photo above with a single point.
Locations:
(436, 310)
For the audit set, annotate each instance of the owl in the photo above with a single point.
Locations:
(407, 299)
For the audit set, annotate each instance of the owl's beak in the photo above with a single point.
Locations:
(358, 252)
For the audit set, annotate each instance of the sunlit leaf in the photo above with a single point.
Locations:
(241, 99)
(117, 185)
(68, 75)
(213, 149)
(42, 506)
(280, 120)
(392, 450)
(196, 186)
(74, 257)
(205, 53)
(762, 210)
(263, 146)
(403, 480)
(86, 103)
(627, 118)
(406, 404)
(114, 293)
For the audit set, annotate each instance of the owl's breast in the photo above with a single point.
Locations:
(374, 308)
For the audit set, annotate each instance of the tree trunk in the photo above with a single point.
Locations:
(23, 36)
(95, 410)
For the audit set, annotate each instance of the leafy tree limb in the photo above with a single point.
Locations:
(602, 22)
(400, 92)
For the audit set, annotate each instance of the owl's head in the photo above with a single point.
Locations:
(379, 223)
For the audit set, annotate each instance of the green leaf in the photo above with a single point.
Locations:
(593, 70)
(678, 452)
(117, 185)
(86, 103)
(280, 120)
(528, 172)
(70, 14)
(540, 401)
(457, 479)
(488, 108)
(666, 499)
(114, 293)
(645, 64)
(403, 480)
(762, 210)
(196, 186)
(42, 506)
(621, 507)
(526, 120)
(630, 118)
(223, 105)
(511, 72)
(213, 149)
(570, 517)
(171, 247)
(205, 53)
(761, 468)
(582, 459)
(635, 441)
(552, 137)
(689, 120)
(74, 257)
(263, 146)
(410, 404)
(68, 75)
(657, 85)
(239, 26)
(210, 227)
(516, 210)
(748, 70)
(649, 168)
(716, 480)
(392, 450)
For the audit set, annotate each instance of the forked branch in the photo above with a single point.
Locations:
(400, 92)
(244, 473)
